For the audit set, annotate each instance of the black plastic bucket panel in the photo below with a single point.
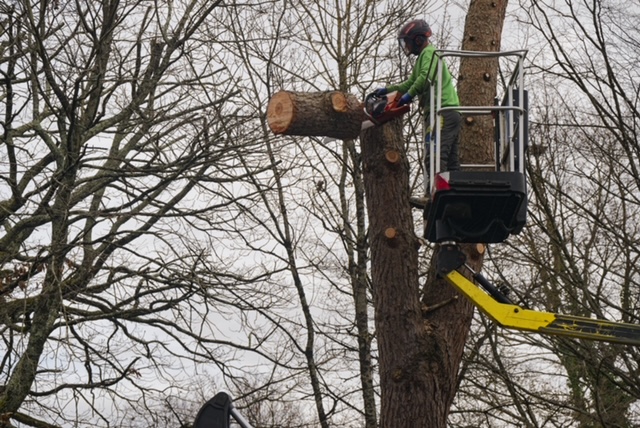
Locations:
(479, 207)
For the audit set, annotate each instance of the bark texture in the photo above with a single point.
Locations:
(479, 77)
(404, 344)
(331, 114)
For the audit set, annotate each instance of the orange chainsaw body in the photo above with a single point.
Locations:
(382, 109)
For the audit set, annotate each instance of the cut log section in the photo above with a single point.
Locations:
(321, 114)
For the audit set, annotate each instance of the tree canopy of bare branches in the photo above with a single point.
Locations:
(159, 243)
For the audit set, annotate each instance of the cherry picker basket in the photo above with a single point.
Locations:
(480, 202)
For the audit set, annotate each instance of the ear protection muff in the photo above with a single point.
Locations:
(420, 39)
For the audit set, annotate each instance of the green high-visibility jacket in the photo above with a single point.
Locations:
(424, 73)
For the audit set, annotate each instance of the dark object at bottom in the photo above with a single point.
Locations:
(215, 413)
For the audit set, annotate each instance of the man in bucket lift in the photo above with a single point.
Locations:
(413, 38)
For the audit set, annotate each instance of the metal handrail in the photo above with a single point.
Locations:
(505, 120)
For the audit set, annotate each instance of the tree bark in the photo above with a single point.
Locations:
(479, 77)
(420, 344)
(332, 114)
(405, 344)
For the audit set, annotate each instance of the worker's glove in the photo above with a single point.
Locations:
(380, 92)
(405, 99)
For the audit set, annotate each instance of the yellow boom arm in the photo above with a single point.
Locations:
(515, 317)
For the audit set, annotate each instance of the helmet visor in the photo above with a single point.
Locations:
(404, 46)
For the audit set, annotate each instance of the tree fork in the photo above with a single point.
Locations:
(476, 86)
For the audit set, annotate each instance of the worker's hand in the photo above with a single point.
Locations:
(405, 99)
(380, 92)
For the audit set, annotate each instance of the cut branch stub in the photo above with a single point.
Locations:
(390, 233)
(319, 114)
(392, 156)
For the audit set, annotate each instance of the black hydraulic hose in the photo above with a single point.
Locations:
(491, 289)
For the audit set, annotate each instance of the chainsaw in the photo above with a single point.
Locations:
(381, 109)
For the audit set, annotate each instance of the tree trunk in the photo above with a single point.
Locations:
(420, 343)
(404, 342)
(331, 114)
(357, 251)
(479, 77)
(449, 322)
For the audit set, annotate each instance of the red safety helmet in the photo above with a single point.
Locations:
(413, 35)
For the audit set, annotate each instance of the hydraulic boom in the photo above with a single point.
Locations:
(494, 304)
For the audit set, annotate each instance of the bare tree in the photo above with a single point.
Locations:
(153, 226)
(419, 353)
(421, 338)
(115, 146)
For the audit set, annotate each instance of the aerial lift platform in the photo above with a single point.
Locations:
(480, 202)
(487, 204)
